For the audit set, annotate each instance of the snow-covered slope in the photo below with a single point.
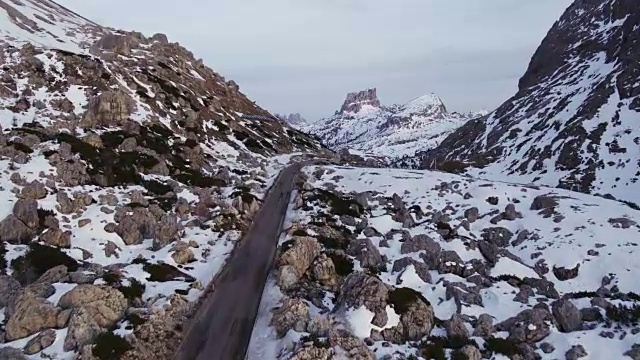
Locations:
(394, 131)
(389, 264)
(129, 171)
(573, 122)
(296, 120)
(45, 23)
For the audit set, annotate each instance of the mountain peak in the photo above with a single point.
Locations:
(573, 121)
(425, 105)
(356, 100)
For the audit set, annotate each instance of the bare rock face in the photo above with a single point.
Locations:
(26, 210)
(293, 314)
(31, 315)
(104, 304)
(57, 238)
(8, 287)
(83, 329)
(182, 253)
(34, 190)
(9, 353)
(324, 272)
(108, 109)
(365, 252)
(355, 101)
(116, 43)
(14, 231)
(40, 342)
(311, 353)
(567, 315)
(158, 338)
(353, 345)
(416, 316)
(360, 289)
(530, 326)
(295, 261)
(469, 352)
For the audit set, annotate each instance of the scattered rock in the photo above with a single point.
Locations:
(40, 342)
(567, 315)
(293, 314)
(576, 352)
(104, 304)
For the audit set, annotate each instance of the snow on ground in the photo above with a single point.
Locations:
(542, 234)
(89, 241)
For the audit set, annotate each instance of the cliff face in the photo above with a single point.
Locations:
(572, 123)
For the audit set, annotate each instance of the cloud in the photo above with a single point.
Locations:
(305, 55)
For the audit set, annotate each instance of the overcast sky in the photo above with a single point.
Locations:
(305, 55)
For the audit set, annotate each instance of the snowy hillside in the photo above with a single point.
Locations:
(393, 131)
(295, 120)
(128, 174)
(389, 264)
(573, 122)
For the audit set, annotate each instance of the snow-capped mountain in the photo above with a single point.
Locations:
(363, 124)
(129, 171)
(573, 122)
(296, 120)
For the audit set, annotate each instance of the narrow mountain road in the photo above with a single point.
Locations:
(221, 328)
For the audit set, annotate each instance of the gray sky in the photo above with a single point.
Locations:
(305, 55)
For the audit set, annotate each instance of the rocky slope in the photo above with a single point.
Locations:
(397, 264)
(395, 131)
(572, 123)
(129, 171)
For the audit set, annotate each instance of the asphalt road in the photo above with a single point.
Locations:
(221, 328)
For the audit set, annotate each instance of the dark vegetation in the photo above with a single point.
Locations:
(505, 347)
(339, 205)
(109, 346)
(110, 167)
(401, 299)
(162, 272)
(435, 347)
(37, 260)
(342, 263)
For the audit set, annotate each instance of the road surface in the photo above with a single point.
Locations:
(221, 328)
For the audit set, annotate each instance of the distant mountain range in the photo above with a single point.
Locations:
(394, 131)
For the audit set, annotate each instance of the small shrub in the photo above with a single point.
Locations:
(133, 291)
(624, 315)
(111, 278)
(134, 320)
(433, 351)
(452, 166)
(339, 205)
(109, 346)
(191, 143)
(343, 265)
(156, 187)
(20, 147)
(3, 259)
(502, 346)
(300, 232)
(42, 216)
(165, 272)
(401, 299)
(38, 259)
